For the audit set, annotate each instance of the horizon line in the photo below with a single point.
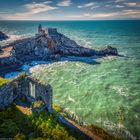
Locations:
(66, 20)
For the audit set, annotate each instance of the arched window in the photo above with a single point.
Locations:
(32, 89)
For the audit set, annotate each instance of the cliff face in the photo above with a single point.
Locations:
(51, 45)
(3, 36)
(47, 44)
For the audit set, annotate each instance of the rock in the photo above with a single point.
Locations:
(48, 44)
(57, 57)
(110, 51)
(1, 50)
(3, 36)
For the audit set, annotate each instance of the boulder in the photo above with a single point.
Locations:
(109, 50)
(3, 36)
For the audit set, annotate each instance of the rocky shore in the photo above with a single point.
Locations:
(3, 36)
(46, 45)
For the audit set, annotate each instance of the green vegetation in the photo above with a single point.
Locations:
(18, 125)
(22, 75)
(37, 104)
(102, 133)
(3, 81)
(93, 128)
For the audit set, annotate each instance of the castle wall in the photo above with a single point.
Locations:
(27, 86)
(10, 91)
(33, 90)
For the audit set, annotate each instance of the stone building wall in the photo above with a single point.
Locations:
(34, 90)
(10, 91)
(27, 86)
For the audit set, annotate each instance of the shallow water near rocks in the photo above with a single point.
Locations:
(105, 94)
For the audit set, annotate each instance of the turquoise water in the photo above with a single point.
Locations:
(106, 94)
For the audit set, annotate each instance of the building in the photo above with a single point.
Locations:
(48, 31)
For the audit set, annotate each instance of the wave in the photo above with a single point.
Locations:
(14, 38)
(118, 130)
(120, 90)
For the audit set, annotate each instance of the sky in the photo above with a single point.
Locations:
(69, 9)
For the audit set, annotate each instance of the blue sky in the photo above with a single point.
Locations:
(69, 9)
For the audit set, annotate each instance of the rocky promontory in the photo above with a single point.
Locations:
(48, 44)
(3, 36)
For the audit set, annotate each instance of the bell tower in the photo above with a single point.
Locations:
(39, 28)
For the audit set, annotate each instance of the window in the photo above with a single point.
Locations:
(32, 89)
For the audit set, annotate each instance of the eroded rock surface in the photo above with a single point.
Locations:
(48, 44)
(3, 36)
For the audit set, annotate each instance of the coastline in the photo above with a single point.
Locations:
(116, 78)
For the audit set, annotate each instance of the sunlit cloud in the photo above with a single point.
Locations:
(94, 16)
(120, 0)
(120, 6)
(127, 13)
(60, 10)
(34, 8)
(90, 5)
(133, 4)
(65, 3)
(30, 9)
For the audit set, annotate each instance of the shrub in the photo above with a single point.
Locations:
(23, 98)
(37, 104)
(43, 125)
(102, 133)
(8, 129)
(20, 137)
(3, 81)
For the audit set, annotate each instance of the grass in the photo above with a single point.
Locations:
(3, 81)
(21, 123)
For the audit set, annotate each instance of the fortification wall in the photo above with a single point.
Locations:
(25, 86)
(10, 91)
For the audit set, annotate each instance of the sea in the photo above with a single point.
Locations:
(106, 93)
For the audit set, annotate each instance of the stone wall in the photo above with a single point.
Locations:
(25, 86)
(9, 92)
(34, 90)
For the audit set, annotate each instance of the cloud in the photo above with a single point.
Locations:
(121, 14)
(120, 6)
(132, 12)
(120, 0)
(30, 9)
(65, 3)
(91, 5)
(94, 16)
(35, 8)
(133, 4)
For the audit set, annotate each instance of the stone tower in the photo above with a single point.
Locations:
(39, 28)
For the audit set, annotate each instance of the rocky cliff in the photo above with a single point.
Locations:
(3, 36)
(51, 44)
(48, 44)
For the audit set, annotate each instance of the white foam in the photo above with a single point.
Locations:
(118, 130)
(14, 38)
(70, 99)
(120, 90)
